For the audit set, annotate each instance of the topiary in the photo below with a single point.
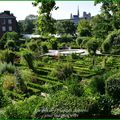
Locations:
(92, 46)
(112, 43)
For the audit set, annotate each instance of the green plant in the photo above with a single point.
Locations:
(62, 71)
(44, 47)
(28, 56)
(113, 86)
(111, 44)
(7, 67)
(9, 81)
(22, 109)
(92, 46)
(7, 56)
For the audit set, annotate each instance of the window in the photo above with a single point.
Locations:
(3, 28)
(9, 21)
(3, 21)
(10, 28)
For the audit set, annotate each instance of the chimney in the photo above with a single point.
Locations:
(7, 12)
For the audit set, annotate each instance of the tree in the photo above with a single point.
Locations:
(65, 27)
(27, 25)
(108, 20)
(45, 21)
(84, 28)
(112, 44)
(101, 26)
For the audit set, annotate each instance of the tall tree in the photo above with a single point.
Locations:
(27, 25)
(84, 28)
(65, 27)
(45, 21)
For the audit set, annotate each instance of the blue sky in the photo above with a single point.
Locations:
(21, 9)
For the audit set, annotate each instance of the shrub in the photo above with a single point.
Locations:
(4, 100)
(46, 59)
(5, 67)
(92, 46)
(98, 84)
(113, 86)
(22, 109)
(8, 36)
(7, 56)
(112, 44)
(63, 71)
(44, 47)
(102, 105)
(9, 82)
(32, 45)
(10, 44)
(28, 56)
(79, 41)
(53, 43)
(84, 41)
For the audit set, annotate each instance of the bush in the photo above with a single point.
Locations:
(4, 67)
(112, 44)
(102, 105)
(7, 56)
(44, 47)
(92, 46)
(32, 45)
(98, 85)
(84, 41)
(63, 71)
(79, 41)
(8, 36)
(9, 82)
(10, 44)
(22, 109)
(113, 86)
(4, 100)
(53, 43)
(28, 56)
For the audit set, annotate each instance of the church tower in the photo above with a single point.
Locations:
(78, 12)
(71, 16)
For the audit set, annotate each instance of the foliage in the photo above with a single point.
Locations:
(65, 27)
(27, 55)
(84, 28)
(62, 71)
(111, 44)
(101, 26)
(98, 84)
(7, 67)
(53, 43)
(63, 103)
(27, 26)
(79, 41)
(44, 47)
(101, 106)
(8, 56)
(10, 44)
(8, 36)
(92, 46)
(113, 86)
(22, 109)
(9, 82)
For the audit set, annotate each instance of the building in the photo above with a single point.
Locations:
(77, 18)
(7, 22)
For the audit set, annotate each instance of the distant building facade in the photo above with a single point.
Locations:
(77, 18)
(7, 22)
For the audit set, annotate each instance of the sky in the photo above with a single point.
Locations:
(21, 9)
